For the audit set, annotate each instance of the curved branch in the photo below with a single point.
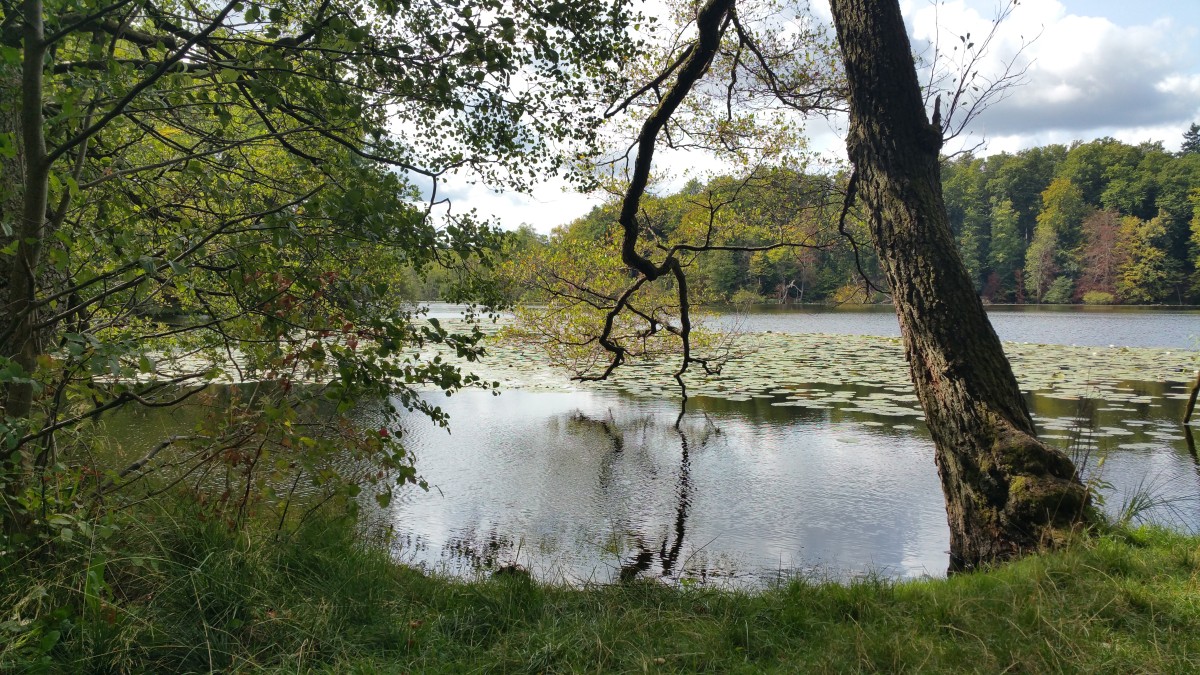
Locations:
(711, 22)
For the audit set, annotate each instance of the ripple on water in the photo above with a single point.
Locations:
(597, 478)
(576, 486)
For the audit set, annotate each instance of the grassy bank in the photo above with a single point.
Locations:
(183, 596)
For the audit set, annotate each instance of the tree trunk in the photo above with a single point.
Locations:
(12, 172)
(19, 343)
(1006, 492)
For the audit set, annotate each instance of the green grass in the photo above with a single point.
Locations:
(185, 596)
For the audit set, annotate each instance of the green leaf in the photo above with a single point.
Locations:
(48, 641)
(8, 149)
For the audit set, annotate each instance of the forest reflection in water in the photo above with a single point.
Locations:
(584, 487)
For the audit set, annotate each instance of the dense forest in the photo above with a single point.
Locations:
(1099, 222)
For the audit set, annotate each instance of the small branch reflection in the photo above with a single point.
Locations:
(671, 546)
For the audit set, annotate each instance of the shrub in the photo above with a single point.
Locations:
(1098, 298)
(745, 296)
(1059, 292)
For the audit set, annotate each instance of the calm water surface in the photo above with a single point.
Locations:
(578, 486)
(593, 487)
(596, 486)
(1177, 327)
(1063, 325)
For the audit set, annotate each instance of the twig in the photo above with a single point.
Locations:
(137, 466)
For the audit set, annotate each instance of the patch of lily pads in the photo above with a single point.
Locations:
(1082, 397)
(811, 365)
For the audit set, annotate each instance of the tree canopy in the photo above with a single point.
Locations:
(1061, 196)
(1022, 226)
(197, 193)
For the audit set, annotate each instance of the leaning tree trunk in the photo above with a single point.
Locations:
(1006, 492)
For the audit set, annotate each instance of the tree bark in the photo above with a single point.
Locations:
(21, 346)
(18, 320)
(1006, 492)
(12, 172)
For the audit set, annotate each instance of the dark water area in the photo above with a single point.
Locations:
(581, 487)
(1037, 324)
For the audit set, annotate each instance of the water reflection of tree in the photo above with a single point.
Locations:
(616, 433)
(481, 550)
(643, 556)
(669, 557)
(491, 549)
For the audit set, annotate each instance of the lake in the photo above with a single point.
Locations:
(812, 459)
(1055, 324)
(1139, 326)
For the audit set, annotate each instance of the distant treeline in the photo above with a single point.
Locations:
(1098, 222)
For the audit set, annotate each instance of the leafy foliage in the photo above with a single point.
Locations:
(234, 192)
(1022, 227)
(1054, 216)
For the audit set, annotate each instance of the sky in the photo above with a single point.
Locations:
(1119, 68)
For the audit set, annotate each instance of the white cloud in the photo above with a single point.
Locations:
(1087, 76)
(548, 205)
(1180, 85)
(1133, 135)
